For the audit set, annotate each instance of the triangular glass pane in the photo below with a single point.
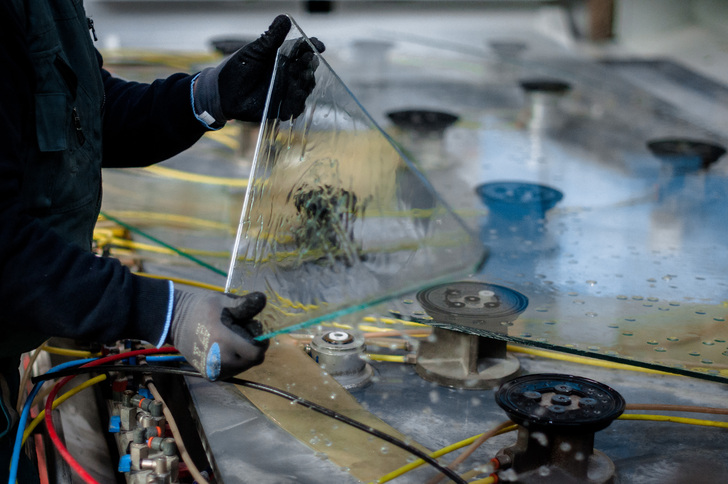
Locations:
(336, 218)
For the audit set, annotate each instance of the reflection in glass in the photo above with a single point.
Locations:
(335, 218)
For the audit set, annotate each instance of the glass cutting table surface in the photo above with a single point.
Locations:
(618, 248)
(628, 263)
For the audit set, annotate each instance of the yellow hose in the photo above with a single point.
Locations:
(387, 358)
(669, 418)
(37, 420)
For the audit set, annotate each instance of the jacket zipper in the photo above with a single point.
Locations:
(79, 130)
(90, 23)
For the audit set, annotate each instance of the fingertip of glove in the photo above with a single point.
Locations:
(320, 47)
(280, 27)
(246, 307)
(257, 299)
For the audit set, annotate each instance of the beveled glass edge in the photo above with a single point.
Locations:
(584, 353)
(362, 306)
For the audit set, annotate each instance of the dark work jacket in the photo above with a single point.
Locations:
(63, 117)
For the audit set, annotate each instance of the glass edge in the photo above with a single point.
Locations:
(457, 274)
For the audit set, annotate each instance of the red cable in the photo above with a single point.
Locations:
(73, 463)
(57, 441)
(40, 455)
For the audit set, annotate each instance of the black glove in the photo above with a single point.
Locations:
(215, 332)
(296, 78)
(238, 87)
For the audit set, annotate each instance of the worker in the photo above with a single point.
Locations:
(62, 118)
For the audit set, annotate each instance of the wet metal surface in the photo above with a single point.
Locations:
(629, 265)
(245, 443)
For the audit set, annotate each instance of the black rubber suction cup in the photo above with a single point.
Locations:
(557, 417)
(560, 403)
(686, 153)
(545, 85)
(422, 120)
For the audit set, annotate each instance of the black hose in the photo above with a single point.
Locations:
(265, 388)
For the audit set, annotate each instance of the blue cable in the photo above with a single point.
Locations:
(15, 460)
(166, 358)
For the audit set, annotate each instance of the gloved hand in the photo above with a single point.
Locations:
(215, 332)
(238, 87)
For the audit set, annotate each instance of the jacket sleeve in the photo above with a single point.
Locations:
(147, 123)
(48, 286)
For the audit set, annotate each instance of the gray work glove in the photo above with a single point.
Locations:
(215, 332)
(238, 87)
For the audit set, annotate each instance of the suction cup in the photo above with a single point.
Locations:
(560, 402)
(545, 85)
(470, 300)
(422, 120)
(518, 200)
(558, 416)
(459, 359)
(341, 354)
(686, 154)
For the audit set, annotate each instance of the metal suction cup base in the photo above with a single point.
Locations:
(467, 361)
(558, 416)
(600, 470)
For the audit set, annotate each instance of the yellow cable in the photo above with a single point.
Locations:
(374, 329)
(119, 242)
(68, 352)
(469, 475)
(438, 453)
(102, 236)
(175, 174)
(289, 303)
(226, 139)
(178, 61)
(375, 319)
(476, 472)
(284, 301)
(487, 480)
(583, 360)
(170, 219)
(391, 343)
(388, 332)
(498, 429)
(59, 401)
(179, 280)
(668, 418)
(388, 358)
(648, 417)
